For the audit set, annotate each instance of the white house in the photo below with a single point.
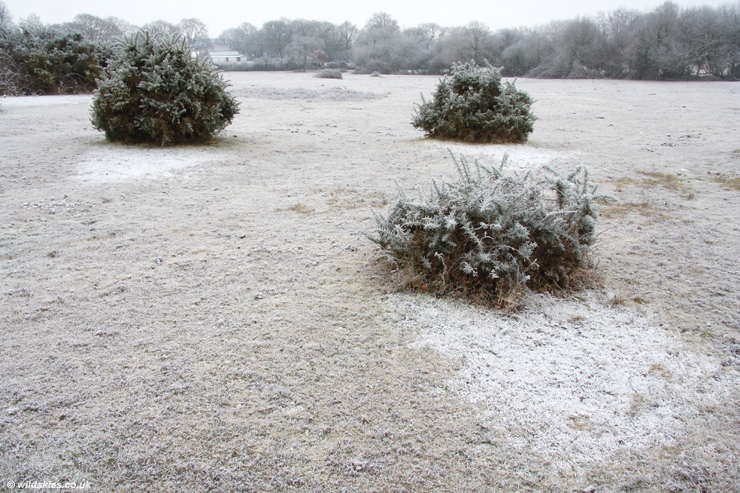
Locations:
(226, 56)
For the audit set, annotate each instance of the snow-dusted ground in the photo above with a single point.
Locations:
(212, 316)
(11, 102)
(129, 163)
(576, 380)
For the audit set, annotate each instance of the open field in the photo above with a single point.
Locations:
(213, 319)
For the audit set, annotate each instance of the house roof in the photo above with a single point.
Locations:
(224, 53)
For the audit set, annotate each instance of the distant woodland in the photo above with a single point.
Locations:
(669, 43)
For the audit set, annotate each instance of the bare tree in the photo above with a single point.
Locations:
(655, 51)
(95, 29)
(195, 33)
(427, 34)
(378, 44)
(33, 27)
(241, 39)
(9, 71)
(520, 50)
(347, 33)
(478, 41)
(731, 16)
(305, 41)
(577, 44)
(619, 26)
(276, 37)
(471, 42)
(704, 33)
(382, 22)
(161, 27)
(305, 47)
(5, 18)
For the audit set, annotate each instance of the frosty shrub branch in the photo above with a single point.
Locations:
(488, 235)
(157, 92)
(473, 105)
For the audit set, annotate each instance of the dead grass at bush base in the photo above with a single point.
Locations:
(390, 275)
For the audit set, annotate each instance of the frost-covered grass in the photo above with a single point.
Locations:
(217, 323)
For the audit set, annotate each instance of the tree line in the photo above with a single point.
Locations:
(668, 43)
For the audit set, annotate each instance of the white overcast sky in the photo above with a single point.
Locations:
(219, 15)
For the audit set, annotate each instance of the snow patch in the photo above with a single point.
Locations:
(118, 163)
(577, 380)
(521, 157)
(12, 101)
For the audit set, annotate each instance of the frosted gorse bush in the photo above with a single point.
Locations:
(157, 91)
(489, 234)
(472, 104)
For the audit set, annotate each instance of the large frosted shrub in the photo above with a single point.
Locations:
(157, 91)
(487, 234)
(473, 105)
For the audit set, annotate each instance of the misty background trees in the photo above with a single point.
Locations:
(668, 43)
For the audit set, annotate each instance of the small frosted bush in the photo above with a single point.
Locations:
(156, 91)
(488, 235)
(329, 73)
(473, 105)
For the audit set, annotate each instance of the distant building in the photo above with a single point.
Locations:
(226, 56)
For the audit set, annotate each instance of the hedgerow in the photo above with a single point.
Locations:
(46, 62)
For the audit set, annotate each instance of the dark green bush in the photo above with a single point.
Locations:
(156, 91)
(488, 234)
(473, 105)
(46, 62)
